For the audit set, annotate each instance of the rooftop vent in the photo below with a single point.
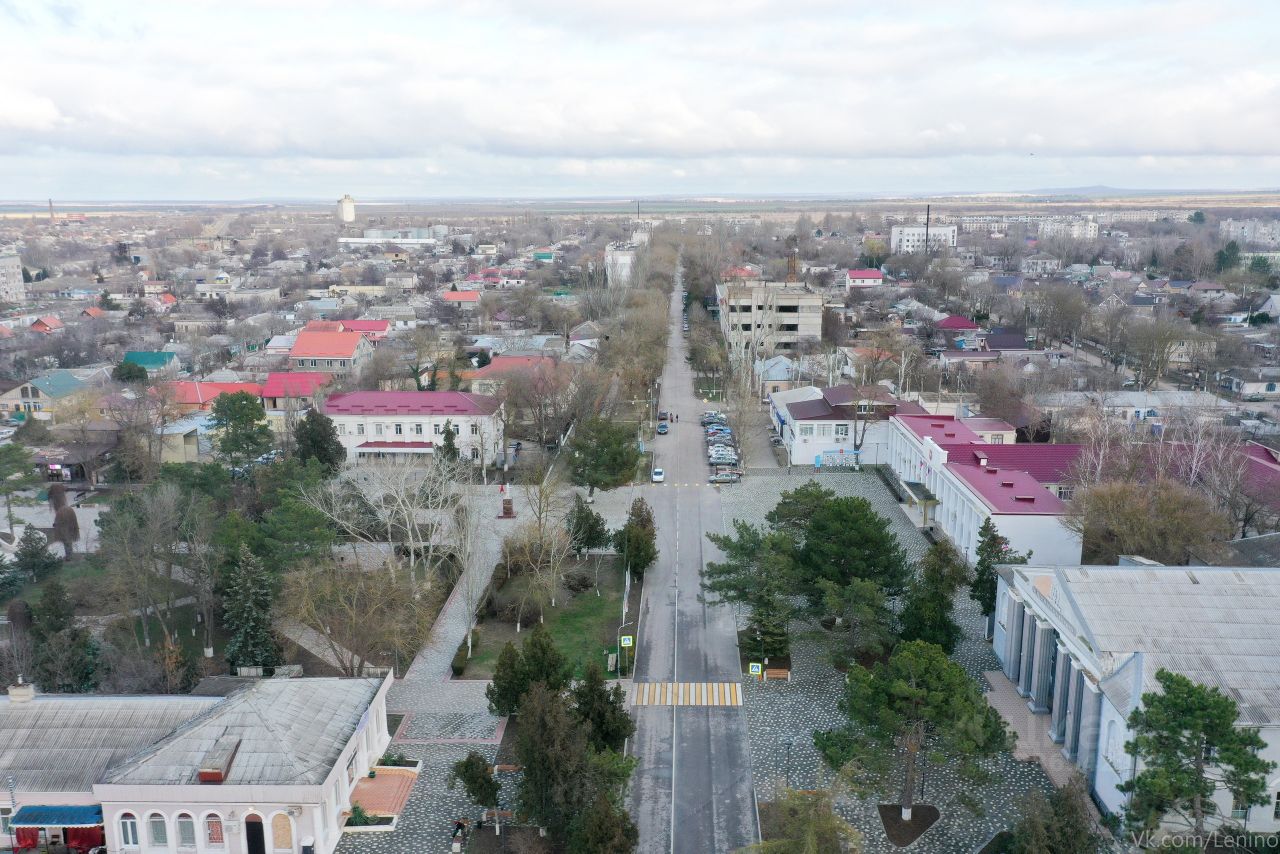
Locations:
(1008, 484)
(1030, 499)
(216, 764)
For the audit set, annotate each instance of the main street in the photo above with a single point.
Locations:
(692, 790)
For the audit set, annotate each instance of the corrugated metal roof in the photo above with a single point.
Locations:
(60, 743)
(291, 731)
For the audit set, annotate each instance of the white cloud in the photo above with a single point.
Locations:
(501, 92)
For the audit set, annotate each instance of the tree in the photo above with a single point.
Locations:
(809, 825)
(1058, 823)
(17, 474)
(1196, 218)
(1228, 257)
(919, 699)
(32, 557)
(247, 605)
(587, 529)
(1188, 742)
(602, 709)
(926, 615)
(106, 302)
(509, 682)
(866, 626)
(241, 424)
(637, 539)
(66, 529)
(449, 444)
(542, 662)
(604, 455)
(476, 776)
(66, 657)
(552, 748)
(1164, 520)
(604, 828)
(756, 573)
(129, 372)
(57, 496)
(33, 432)
(844, 538)
(316, 438)
(992, 549)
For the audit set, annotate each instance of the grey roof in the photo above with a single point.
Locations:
(290, 732)
(1214, 625)
(64, 743)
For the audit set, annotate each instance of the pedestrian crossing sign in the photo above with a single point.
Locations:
(756, 668)
(628, 640)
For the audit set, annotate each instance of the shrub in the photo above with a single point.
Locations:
(358, 817)
(459, 663)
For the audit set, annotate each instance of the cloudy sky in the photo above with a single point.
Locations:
(417, 98)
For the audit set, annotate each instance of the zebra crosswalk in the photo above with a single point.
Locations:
(686, 694)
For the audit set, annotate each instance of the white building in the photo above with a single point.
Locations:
(1040, 264)
(1075, 229)
(904, 239)
(855, 280)
(1084, 643)
(346, 209)
(955, 492)
(836, 426)
(375, 425)
(12, 289)
(1264, 232)
(619, 262)
(761, 319)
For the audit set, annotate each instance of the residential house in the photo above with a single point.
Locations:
(954, 495)
(287, 395)
(339, 353)
(187, 440)
(47, 325)
(198, 395)
(1083, 644)
(862, 279)
(840, 425)
(39, 397)
(775, 374)
(537, 371)
(389, 424)
(1040, 264)
(467, 301)
(956, 323)
(1253, 384)
(158, 363)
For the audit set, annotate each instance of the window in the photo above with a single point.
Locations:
(475, 454)
(351, 769)
(842, 431)
(128, 830)
(377, 429)
(806, 430)
(359, 429)
(399, 429)
(824, 431)
(6, 813)
(157, 831)
(186, 832)
(417, 428)
(475, 429)
(1271, 386)
(438, 430)
(997, 438)
(313, 363)
(342, 429)
(1066, 493)
(1239, 809)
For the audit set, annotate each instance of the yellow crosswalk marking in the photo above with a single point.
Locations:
(686, 694)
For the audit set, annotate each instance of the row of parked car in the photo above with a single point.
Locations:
(722, 448)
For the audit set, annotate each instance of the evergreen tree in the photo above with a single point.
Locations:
(637, 539)
(17, 474)
(587, 529)
(868, 627)
(602, 709)
(756, 573)
(483, 359)
(433, 379)
(553, 750)
(32, 557)
(926, 616)
(448, 449)
(604, 828)
(1189, 747)
(509, 682)
(316, 438)
(247, 603)
(241, 424)
(843, 539)
(476, 776)
(66, 657)
(54, 612)
(11, 580)
(808, 823)
(542, 662)
(992, 549)
(66, 529)
(604, 454)
(129, 372)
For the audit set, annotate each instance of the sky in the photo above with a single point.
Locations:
(397, 99)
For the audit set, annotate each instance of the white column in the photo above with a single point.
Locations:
(1013, 640)
(1071, 738)
(1090, 722)
(1042, 668)
(1028, 653)
(1061, 689)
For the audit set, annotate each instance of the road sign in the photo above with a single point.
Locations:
(628, 640)
(755, 668)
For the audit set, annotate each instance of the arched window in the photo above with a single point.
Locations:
(475, 453)
(128, 830)
(186, 829)
(157, 831)
(213, 835)
(281, 833)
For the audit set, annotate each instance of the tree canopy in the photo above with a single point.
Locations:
(241, 424)
(129, 372)
(604, 454)
(315, 437)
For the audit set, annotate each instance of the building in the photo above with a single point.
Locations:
(12, 289)
(762, 319)
(856, 280)
(542, 374)
(952, 492)
(197, 396)
(1040, 264)
(40, 397)
(346, 210)
(338, 353)
(1082, 644)
(1253, 384)
(47, 325)
(1262, 232)
(837, 426)
(1073, 229)
(376, 425)
(619, 262)
(467, 301)
(156, 362)
(904, 239)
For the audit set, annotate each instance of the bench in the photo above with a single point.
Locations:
(776, 673)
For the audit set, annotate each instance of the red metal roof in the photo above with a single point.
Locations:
(366, 325)
(196, 393)
(326, 345)
(296, 384)
(1046, 463)
(461, 296)
(410, 403)
(1009, 492)
(955, 321)
(943, 429)
(865, 273)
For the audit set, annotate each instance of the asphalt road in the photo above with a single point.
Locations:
(692, 789)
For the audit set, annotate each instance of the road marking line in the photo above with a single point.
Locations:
(686, 694)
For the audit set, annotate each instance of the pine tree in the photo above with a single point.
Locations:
(33, 557)
(241, 426)
(509, 682)
(552, 748)
(316, 438)
(603, 828)
(637, 539)
(448, 449)
(476, 776)
(66, 657)
(247, 603)
(1058, 823)
(926, 615)
(602, 709)
(587, 528)
(542, 662)
(992, 549)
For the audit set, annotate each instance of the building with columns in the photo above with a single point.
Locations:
(1082, 644)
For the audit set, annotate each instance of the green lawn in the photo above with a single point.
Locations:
(181, 621)
(708, 389)
(93, 590)
(584, 627)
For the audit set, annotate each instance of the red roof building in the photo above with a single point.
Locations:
(956, 323)
(331, 352)
(282, 387)
(47, 325)
(194, 395)
(377, 425)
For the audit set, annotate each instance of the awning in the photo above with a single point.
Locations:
(59, 816)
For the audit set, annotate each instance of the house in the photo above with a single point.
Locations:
(197, 396)
(375, 330)
(862, 279)
(1083, 644)
(282, 387)
(840, 425)
(39, 397)
(1253, 384)
(375, 425)
(93, 313)
(466, 300)
(156, 362)
(338, 353)
(47, 325)
(538, 371)
(1040, 264)
(779, 373)
(186, 440)
(954, 494)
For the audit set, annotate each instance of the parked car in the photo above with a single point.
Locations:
(723, 459)
(663, 415)
(663, 428)
(659, 476)
(723, 477)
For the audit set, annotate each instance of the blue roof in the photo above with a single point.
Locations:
(60, 816)
(59, 383)
(150, 359)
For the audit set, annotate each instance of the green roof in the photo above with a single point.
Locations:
(152, 360)
(58, 383)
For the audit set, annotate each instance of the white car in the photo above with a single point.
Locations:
(659, 476)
